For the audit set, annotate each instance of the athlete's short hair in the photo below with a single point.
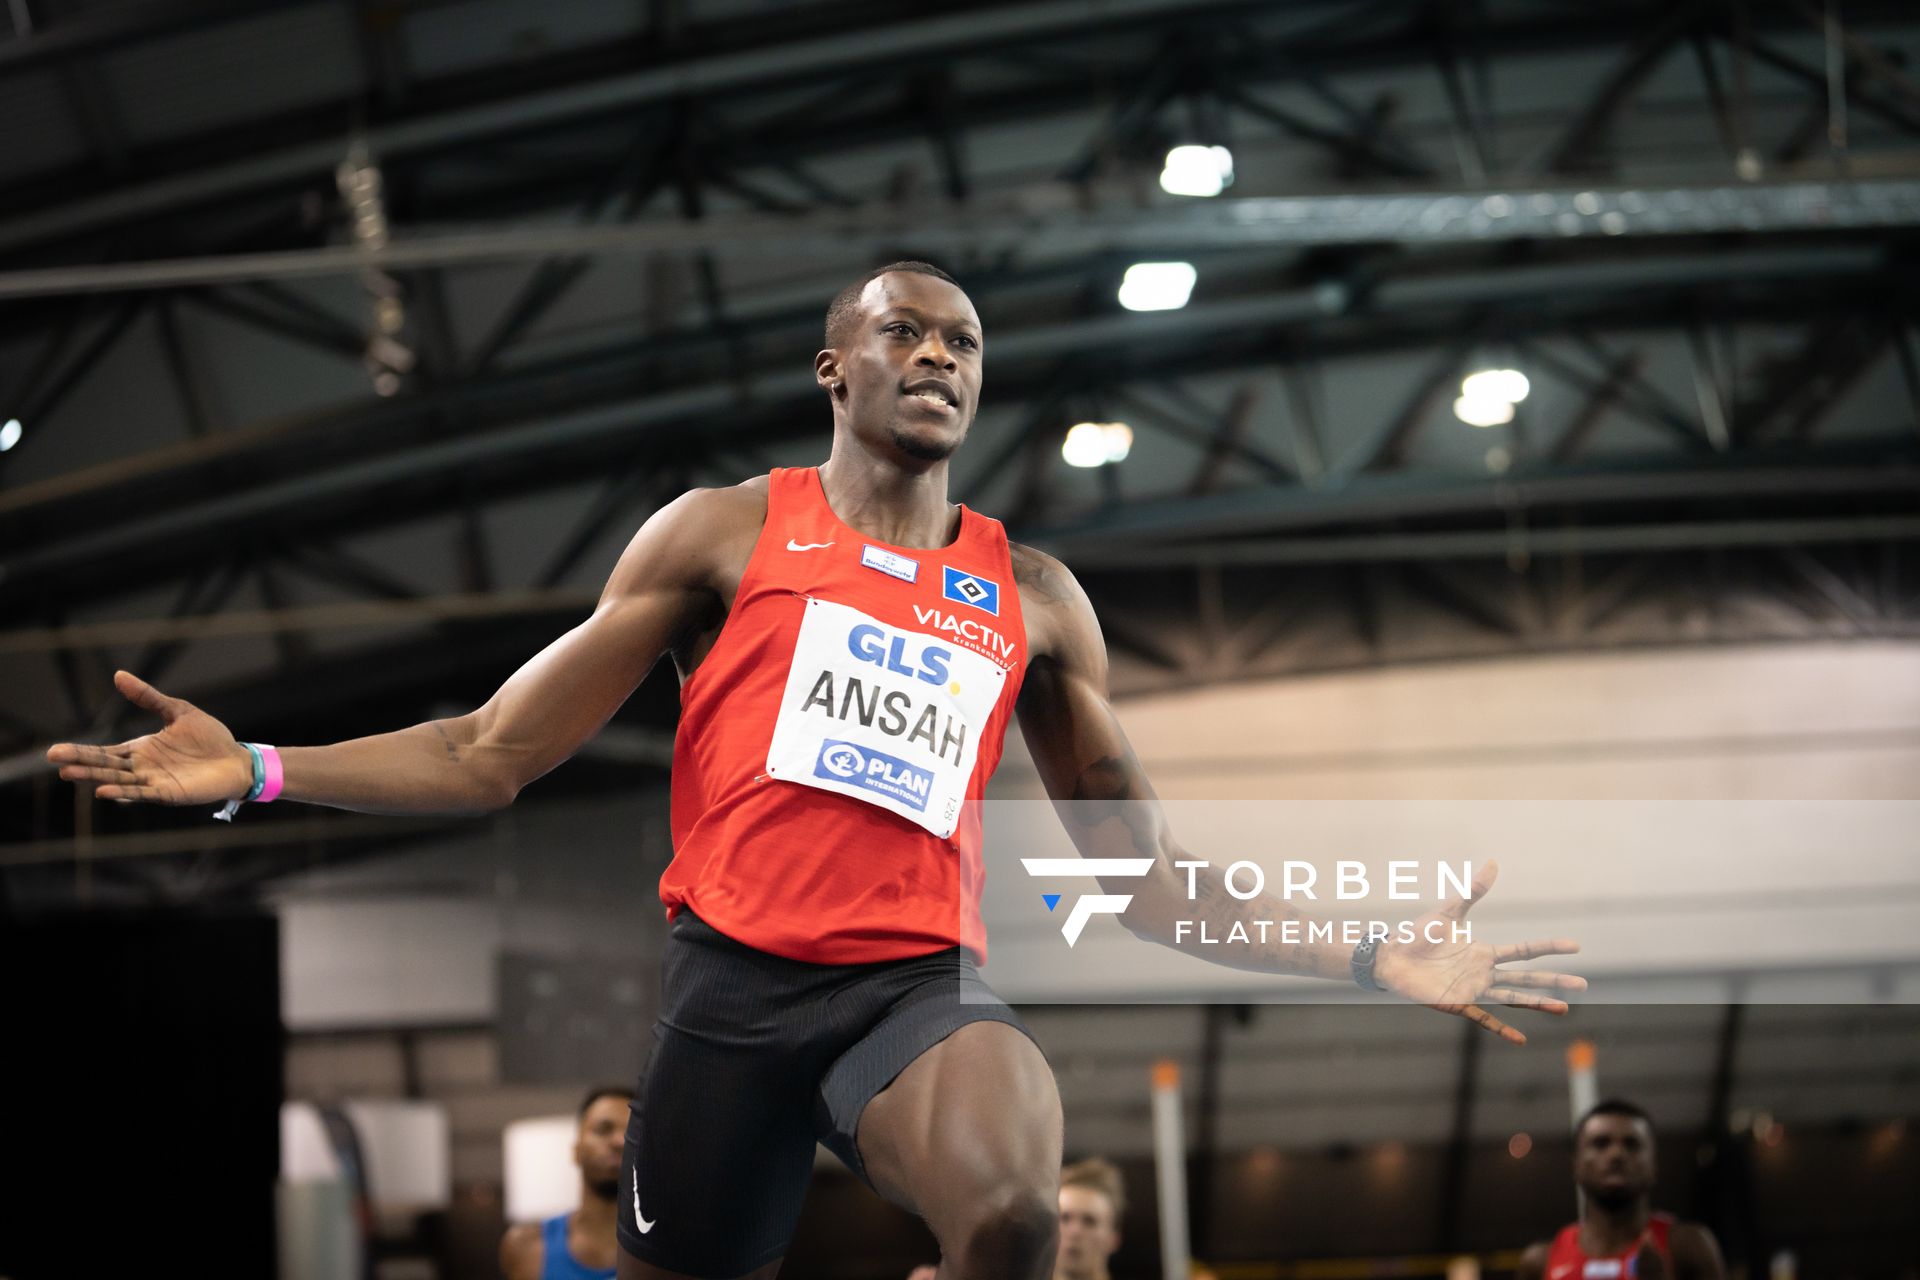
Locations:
(604, 1091)
(841, 311)
(1099, 1175)
(1612, 1107)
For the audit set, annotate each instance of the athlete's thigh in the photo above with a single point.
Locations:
(975, 1114)
(718, 1158)
(631, 1268)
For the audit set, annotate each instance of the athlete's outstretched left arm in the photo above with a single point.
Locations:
(1084, 758)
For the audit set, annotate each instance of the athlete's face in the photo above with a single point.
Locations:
(597, 1147)
(906, 375)
(1613, 1160)
(1088, 1233)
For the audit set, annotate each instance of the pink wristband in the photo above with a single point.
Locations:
(276, 773)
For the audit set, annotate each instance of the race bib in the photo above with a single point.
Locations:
(883, 714)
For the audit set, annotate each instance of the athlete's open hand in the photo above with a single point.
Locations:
(192, 760)
(1455, 977)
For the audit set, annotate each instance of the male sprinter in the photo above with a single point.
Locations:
(578, 1245)
(1621, 1236)
(851, 647)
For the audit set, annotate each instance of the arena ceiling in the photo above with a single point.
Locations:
(350, 341)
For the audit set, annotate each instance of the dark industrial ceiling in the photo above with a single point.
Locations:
(610, 232)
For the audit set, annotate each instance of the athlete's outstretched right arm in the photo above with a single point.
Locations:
(663, 587)
(1083, 757)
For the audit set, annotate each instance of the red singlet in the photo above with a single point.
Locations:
(833, 740)
(1567, 1262)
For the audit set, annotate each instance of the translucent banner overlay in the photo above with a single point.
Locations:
(1671, 902)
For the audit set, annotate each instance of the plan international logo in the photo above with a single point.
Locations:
(874, 771)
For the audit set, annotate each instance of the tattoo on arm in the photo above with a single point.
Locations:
(1104, 779)
(1113, 787)
(1037, 574)
(453, 752)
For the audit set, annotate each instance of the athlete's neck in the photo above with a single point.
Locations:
(1604, 1231)
(883, 501)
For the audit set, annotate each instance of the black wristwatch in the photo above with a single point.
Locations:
(1362, 963)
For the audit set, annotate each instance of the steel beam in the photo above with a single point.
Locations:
(1585, 137)
(1600, 399)
(100, 30)
(1471, 144)
(206, 594)
(620, 418)
(1350, 148)
(621, 492)
(634, 181)
(1044, 222)
(1040, 343)
(782, 61)
(1270, 510)
(1223, 439)
(1633, 393)
(186, 378)
(45, 399)
(1230, 437)
(276, 620)
(333, 336)
(1388, 449)
(651, 418)
(1495, 544)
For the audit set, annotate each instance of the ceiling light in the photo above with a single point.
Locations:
(10, 434)
(1510, 385)
(1157, 286)
(1197, 171)
(1095, 444)
(1483, 412)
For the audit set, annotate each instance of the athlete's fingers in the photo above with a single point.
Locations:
(1540, 978)
(1480, 1017)
(1535, 949)
(80, 773)
(89, 754)
(145, 696)
(1482, 881)
(1524, 1000)
(127, 793)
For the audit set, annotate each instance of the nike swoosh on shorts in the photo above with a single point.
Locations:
(639, 1221)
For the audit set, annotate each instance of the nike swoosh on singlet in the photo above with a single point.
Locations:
(639, 1221)
(806, 546)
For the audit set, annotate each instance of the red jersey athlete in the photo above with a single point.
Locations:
(1621, 1237)
(851, 647)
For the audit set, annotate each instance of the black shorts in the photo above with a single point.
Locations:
(755, 1058)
